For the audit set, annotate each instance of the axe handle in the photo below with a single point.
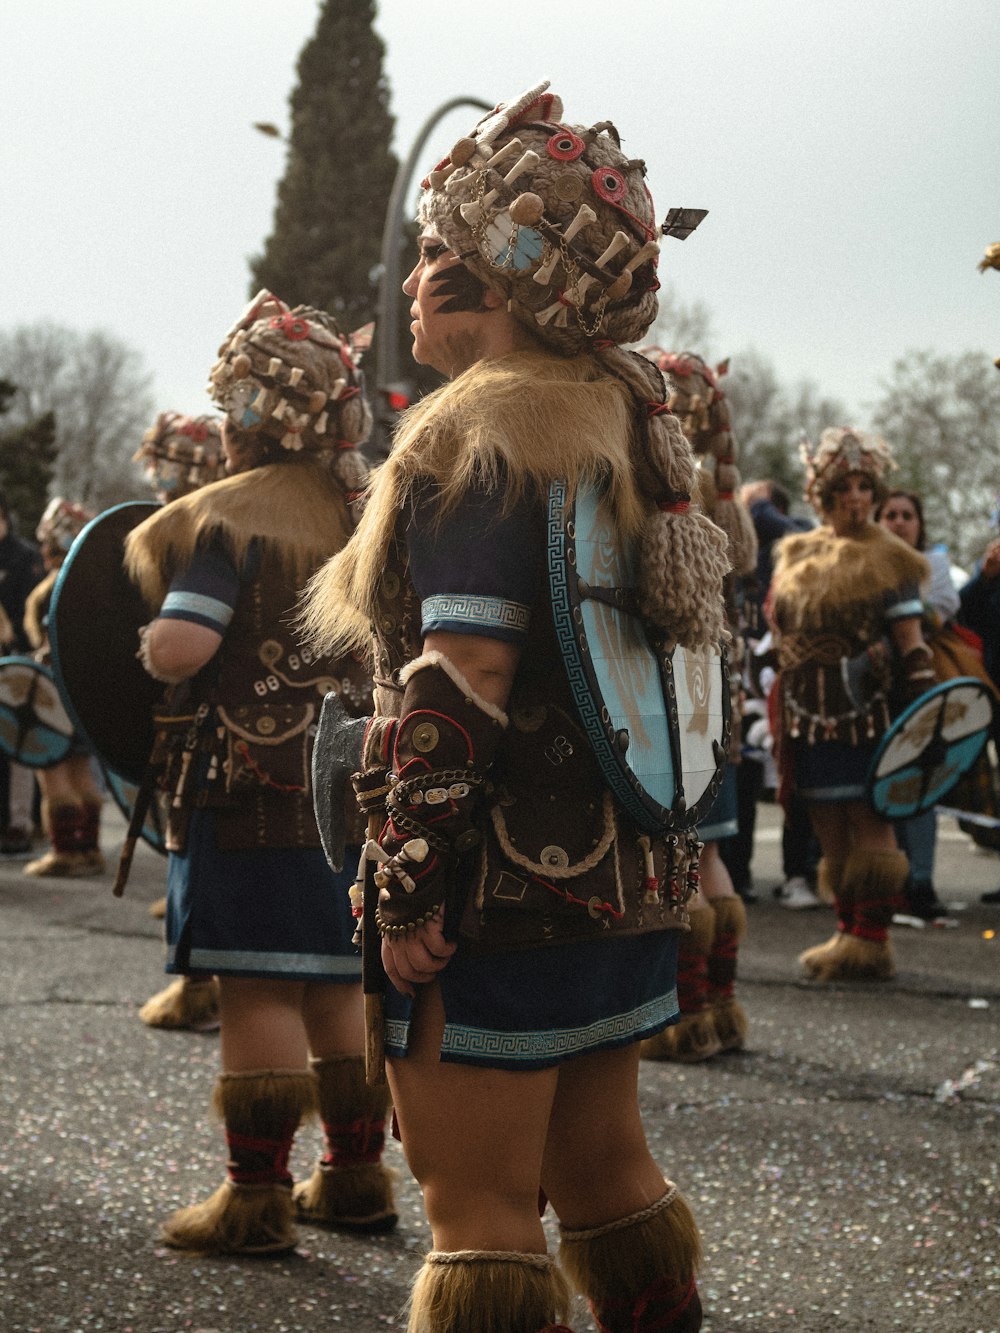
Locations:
(373, 974)
(136, 820)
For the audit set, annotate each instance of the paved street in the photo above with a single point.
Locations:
(844, 1168)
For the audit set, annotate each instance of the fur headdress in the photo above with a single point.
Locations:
(181, 453)
(291, 378)
(560, 221)
(700, 405)
(61, 523)
(841, 451)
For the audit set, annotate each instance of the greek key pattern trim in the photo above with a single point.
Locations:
(453, 609)
(545, 1044)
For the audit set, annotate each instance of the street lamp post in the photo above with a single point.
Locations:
(387, 344)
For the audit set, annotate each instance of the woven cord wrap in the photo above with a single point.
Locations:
(569, 1235)
(543, 1262)
(683, 555)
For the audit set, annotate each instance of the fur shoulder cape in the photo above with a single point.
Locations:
(296, 509)
(818, 574)
(531, 417)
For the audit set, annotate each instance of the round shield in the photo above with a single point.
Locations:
(657, 717)
(929, 747)
(94, 625)
(154, 828)
(35, 728)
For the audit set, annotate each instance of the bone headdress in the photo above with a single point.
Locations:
(556, 217)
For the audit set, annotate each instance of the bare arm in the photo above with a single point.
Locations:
(177, 649)
(487, 664)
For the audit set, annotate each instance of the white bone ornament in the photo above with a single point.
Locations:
(577, 294)
(473, 212)
(584, 217)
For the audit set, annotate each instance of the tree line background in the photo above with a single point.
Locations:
(74, 404)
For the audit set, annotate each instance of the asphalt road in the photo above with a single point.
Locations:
(844, 1168)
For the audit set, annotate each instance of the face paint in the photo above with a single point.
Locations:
(458, 290)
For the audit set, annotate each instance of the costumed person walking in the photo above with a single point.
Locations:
(712, 1019)
(528, 927)
(846, 608)
(21, 568)
(179, 455)
(250, 896)
(902, 513)
(71, 797)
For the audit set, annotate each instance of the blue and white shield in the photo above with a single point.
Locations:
(657, 715)
(929, 747)
(35, 728)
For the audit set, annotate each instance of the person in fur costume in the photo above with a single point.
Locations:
(712, 1019)
(528, 930)
(179, 454)
(71, 798)
(845, 604)
(250, 896)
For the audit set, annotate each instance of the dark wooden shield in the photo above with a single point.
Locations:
(94, 625)
(657, 716)
(929, 747)
(35, 728)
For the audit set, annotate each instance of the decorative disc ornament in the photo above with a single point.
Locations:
(658, 717)
(929, 747)
(94, 625)
(35, 728)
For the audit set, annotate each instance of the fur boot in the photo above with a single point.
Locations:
(728, 1014)
(693, 1037)
(89, 837)
(190, 1003)
(639, 1272)
(63, 860)
(252, 1212)
(487, 1291)
(871, 886)
(350, 1188)
(831, 888)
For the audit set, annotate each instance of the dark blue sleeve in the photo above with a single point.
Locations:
(205, 593)
(478, 567)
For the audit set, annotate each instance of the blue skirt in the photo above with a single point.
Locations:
(535, 1008)
(259, 912)
(830, 770)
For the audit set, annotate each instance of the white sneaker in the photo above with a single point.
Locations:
(796, 895)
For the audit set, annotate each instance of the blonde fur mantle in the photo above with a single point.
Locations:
(297, 510)
(819, 576)
(529, 417)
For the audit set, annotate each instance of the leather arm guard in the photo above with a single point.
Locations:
(917, 670)
(428, 770)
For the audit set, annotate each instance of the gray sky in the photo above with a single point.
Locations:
(848, 153)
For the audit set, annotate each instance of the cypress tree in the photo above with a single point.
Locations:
(325, 243)
(27, 454)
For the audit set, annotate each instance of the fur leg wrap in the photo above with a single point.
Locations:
(487, 1291)
(820, 961)
(187, 1003)
(872, 885)
(693, 1038)
(349, 1188)
(728, 1014)
(63, 859)
(252, 1212)
(639, 1272)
